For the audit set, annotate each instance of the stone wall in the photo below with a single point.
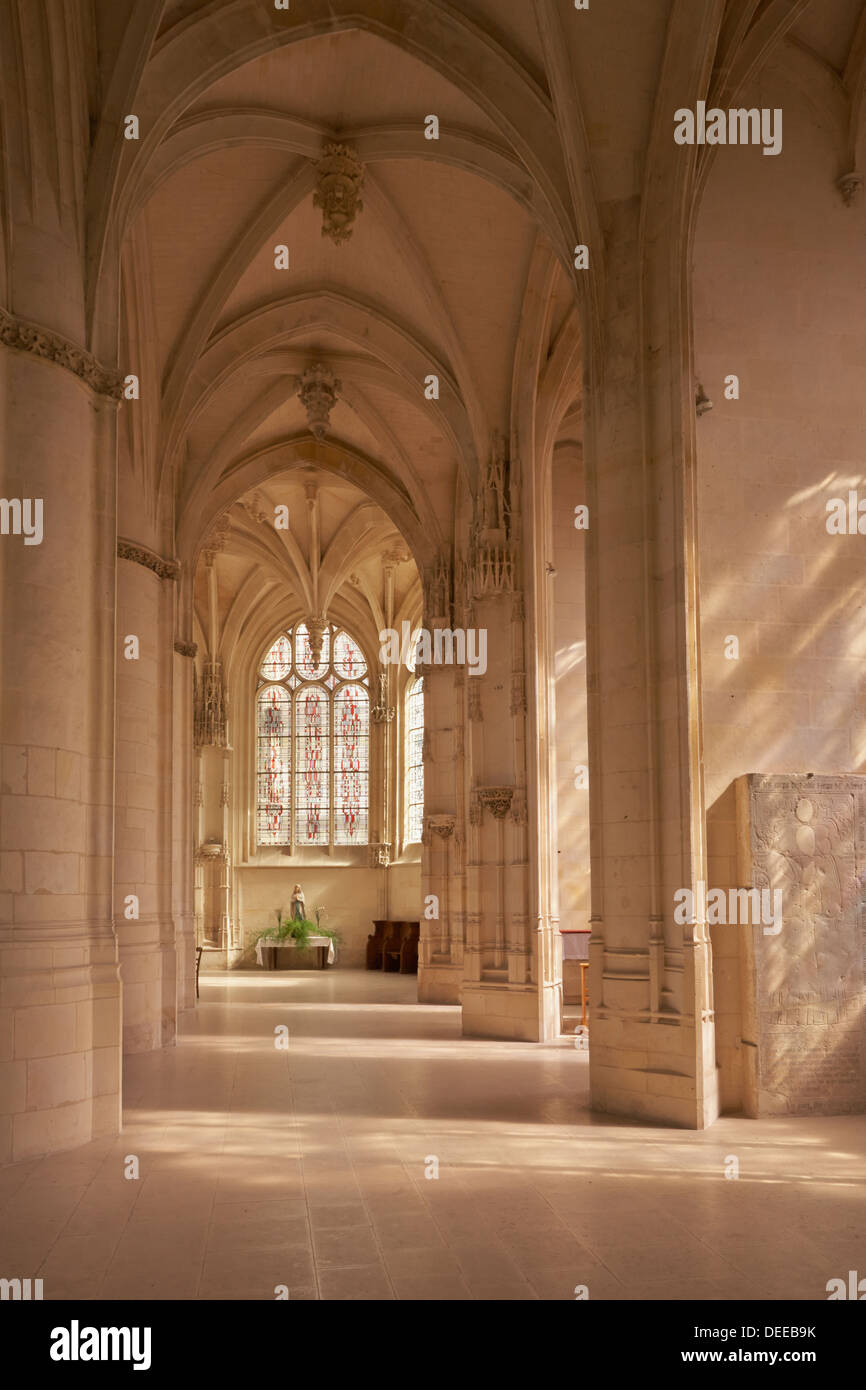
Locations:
(780, 301)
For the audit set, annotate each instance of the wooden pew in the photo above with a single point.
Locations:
(393, 946)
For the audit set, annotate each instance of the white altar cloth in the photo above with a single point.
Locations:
(313, 941)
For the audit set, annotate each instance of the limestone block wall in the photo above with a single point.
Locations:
(804, 985)
(780, 301)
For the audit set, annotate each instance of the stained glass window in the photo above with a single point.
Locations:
(351, 764)
(306, 665)
(414, 819)
(313, 742)
(274, 725)
(348, 658)
(278, 662)
(312, 745)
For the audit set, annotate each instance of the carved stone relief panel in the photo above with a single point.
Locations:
(803, 847)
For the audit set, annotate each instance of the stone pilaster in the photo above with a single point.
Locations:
(440, 955)
(500, 990)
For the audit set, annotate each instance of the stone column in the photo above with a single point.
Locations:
(143, 798)
(652, 1049)
(183, 830)
(60, 995)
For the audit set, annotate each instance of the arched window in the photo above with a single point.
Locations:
(313, 742)
(414, 746)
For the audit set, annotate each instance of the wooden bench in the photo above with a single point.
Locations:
(393, 946)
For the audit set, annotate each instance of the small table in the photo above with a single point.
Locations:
(323, 944)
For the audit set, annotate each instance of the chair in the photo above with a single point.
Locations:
(198, 951)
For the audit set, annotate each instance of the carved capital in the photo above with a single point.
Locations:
(140, 555)
(209, 851)
(382, 714)
(497, 800)
(395, 557)
(442, 825)
(217, 538)
(51, 347)
(185, 648)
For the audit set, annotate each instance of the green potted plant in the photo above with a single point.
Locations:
(298, 929)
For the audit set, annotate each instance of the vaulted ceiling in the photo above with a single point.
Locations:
(545, 119)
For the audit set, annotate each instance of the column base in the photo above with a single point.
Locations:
(60, 1032)
(148, 968)
(645, 1070)
(496, 1011)
(184, 935)
(440, 984)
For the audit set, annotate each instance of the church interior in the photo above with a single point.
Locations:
(432, 638)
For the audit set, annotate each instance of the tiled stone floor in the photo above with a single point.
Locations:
(306, 1167)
